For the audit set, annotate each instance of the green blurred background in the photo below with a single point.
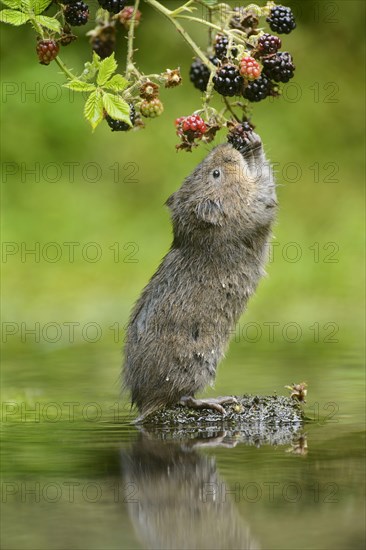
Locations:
(312, 298)
(314, 135)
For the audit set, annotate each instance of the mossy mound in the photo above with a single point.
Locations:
(272, 410)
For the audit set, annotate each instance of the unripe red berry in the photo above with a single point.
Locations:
(249, 68)
(47, 51)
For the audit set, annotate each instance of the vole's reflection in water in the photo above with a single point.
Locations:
(176, 499)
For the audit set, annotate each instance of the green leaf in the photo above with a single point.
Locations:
(48, 22)
(38, 6)
(93, 109)
(13, 17)
(117, 83)
(96, 60)
(106, 69)
(79, 86)
(210, 2)
(14, 4)
(89, 72)
(117, 108)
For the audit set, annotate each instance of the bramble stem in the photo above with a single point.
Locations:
(211, 26)
(37, 27)
(131, 35)
(208, 94)
(185, 7)
(170, 15)
(64, 69)
(229, 108)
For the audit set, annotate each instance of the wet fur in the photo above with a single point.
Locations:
(180, 327)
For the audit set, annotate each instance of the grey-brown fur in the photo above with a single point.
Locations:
(180, 327)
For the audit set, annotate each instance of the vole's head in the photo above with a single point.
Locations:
(230, 193)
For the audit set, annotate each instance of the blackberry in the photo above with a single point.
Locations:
(268, 44)
(103, 40)
(76, 14)
(249, 68)
(190, 127)
(113, 6)
(221, 45)
(119, 125)
(151, 108)
(258, 89)
(238, 135)
(125, 17)
(279, 67)
(199, 73)
(228, 81)
(47, 51)
(104, 48)
(281, 20)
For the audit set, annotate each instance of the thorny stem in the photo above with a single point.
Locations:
(185, 7)
(64, 69)
(37, 27)
(170, 15)
(211, 26)
(131, 35)
(229, 108)
(208, 93)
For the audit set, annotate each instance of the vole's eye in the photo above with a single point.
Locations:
(216, 173)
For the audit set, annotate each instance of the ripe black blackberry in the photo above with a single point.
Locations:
(199, 73)
(228, 81)
(119, 125)
(76, 14)
(238, 135)
(103, 40)
(268, 44)
(279, 67)
(221, 45)
(104, 48)
(258, 89)
(281, 20)
(113, 6)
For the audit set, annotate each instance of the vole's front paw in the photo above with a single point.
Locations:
(253, 141)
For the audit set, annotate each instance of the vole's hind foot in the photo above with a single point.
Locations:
(214, 403)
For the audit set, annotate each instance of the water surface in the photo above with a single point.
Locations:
(77, 474)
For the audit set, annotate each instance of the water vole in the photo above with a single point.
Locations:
(180, 326)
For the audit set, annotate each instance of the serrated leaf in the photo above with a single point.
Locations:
(79, 86)
(48, 22)
(38, 6)
(117, 83)
(14, 4)
(117, 108)
(93, 110)
(106, 68)
(89, 72)
(96, 60)
(13, 17)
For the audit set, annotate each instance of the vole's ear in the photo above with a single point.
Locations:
(210, 211)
